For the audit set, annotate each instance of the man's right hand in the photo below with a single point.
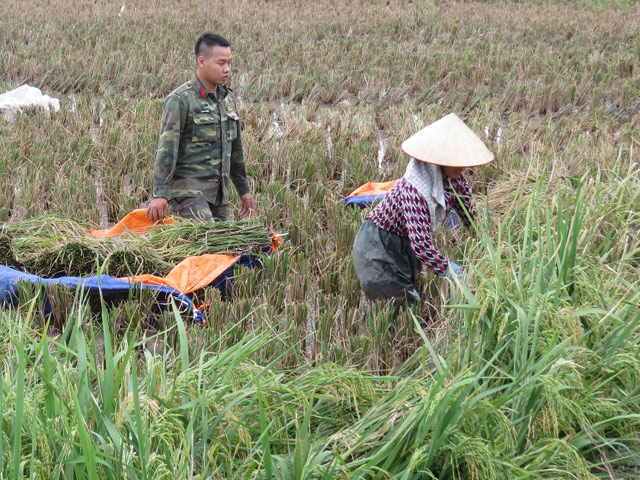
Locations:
(157, 209)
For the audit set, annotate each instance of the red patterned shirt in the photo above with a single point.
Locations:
(404, 211)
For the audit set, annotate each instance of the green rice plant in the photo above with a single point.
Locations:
(529, 330)
(357, 414)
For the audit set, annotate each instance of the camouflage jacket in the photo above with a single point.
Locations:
(199, 148)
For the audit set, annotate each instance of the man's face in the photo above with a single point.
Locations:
(215, 65)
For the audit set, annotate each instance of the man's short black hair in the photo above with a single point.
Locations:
(208, 40)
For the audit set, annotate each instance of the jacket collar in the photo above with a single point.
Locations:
(203, 92)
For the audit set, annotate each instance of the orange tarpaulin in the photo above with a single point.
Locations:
(373, 188)
(135, 222)
(191, 274)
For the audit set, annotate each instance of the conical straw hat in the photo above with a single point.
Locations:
(448, 142)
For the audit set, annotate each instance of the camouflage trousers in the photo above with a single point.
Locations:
(198, 208)
(386, 265)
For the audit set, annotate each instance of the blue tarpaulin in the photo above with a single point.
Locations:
(363, 200)
(113, 289)
(110, 288)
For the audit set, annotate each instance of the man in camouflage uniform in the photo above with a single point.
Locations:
(200, 147)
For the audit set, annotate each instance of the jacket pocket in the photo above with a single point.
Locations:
(205, 128)
(232, 129)
(233, 123)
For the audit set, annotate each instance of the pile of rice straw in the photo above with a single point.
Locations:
(49, 246)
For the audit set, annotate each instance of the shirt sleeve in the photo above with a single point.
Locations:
(416, 215)
(174, 115)
(463, 204)
(237, 170)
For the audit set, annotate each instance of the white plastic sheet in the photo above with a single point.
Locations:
(23, 97)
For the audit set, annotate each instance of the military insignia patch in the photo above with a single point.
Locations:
(229, 108)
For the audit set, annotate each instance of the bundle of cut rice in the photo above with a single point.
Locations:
(48, 245)
(6, 255)
(186, 238)
(129, 259)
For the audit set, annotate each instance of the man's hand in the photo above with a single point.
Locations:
(157, 209)
(248, 205)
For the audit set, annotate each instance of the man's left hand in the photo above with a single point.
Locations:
(248, 205)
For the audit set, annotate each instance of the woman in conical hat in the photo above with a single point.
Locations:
(395, 240)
